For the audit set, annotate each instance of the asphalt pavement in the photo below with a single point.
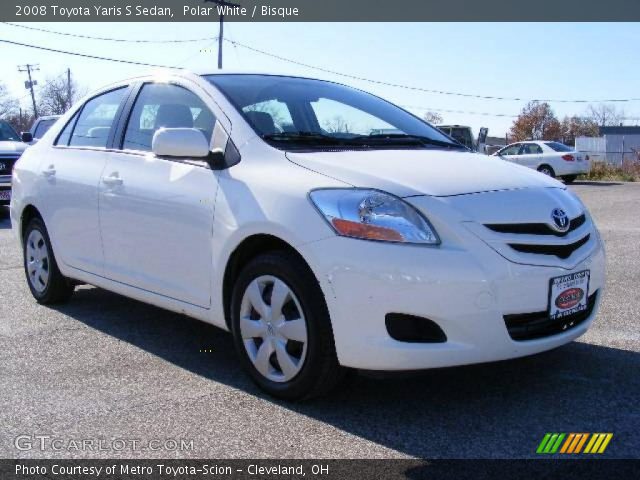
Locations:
(115, 372)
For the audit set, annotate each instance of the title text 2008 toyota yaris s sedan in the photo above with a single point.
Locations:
(323, 226)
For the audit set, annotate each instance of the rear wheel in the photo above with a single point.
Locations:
(45, 281)
(569, 178)
(547, 170)
(281, 328)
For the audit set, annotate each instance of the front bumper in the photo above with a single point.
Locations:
(466, 294)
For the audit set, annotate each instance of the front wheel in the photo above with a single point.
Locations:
(281, 328)
(45, 281)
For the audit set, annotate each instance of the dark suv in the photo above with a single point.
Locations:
(11, 147)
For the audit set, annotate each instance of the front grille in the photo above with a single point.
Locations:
(535, 228)
(560, 251)
(529, 326)
(6, 163)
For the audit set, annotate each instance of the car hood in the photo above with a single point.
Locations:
(422, 172)
(9, 147)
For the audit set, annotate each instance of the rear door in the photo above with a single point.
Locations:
(156, 214)
(69, 181)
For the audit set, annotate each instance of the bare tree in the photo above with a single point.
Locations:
(605, 115)
(433, 117)
(54, 99)
(337, 124)
(8, 104)
(572, 127)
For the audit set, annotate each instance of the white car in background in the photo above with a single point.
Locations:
(554, 159)
(40, 127)
(238, 199)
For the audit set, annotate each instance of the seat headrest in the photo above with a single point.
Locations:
(174, 116)
(262, 121)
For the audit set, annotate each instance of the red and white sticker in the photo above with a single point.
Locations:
(569, 294)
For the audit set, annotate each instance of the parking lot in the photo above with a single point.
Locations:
(106, 367)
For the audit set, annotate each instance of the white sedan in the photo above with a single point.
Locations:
(551, 158)
(323, 226)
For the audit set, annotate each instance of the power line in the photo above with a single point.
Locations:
(466, 112)
(109, 39)
(420, 89)
(334, 72)
(85, 55)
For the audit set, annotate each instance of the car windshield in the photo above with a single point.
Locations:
(7, 133)
(305, 114)
(559, 147)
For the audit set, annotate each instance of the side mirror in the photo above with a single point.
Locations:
(180, 142)
(27, 137)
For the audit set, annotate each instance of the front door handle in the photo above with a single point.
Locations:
(112, 180)
(50, 171)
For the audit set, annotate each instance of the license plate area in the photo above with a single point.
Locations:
(568, 294)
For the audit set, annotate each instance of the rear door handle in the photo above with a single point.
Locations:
(49, 172)
(112, 180)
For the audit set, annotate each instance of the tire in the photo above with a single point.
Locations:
(281, 359)
(47, 284)
(547, 170)
(569, 178)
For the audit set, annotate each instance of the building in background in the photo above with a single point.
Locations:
(615, 145)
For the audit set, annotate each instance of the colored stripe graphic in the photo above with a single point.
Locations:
(573, 443)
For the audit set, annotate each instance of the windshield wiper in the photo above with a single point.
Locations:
(301, 136)
(403, 138)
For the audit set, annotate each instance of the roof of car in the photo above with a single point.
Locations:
(48, 117)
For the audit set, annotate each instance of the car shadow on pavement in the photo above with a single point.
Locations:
(596, 183)
(492, 410)
(5, 220)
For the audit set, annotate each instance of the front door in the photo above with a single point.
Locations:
(156, 214)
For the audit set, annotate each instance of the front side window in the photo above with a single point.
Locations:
(96, 120)
(65, 135)
(511, 150)
(305, 114)
(164, 105)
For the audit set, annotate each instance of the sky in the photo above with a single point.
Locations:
(515, 60)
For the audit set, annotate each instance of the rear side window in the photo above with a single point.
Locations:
(559, 147)
(164, 105)
(96, 120)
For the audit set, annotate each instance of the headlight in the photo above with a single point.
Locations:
(373, 215)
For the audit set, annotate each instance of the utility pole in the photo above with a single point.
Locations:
(68, 88)
(30, 83)
(221, 3)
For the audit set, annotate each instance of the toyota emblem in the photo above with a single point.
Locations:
(560, 219)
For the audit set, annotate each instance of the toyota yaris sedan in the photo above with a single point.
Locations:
(274, 207)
